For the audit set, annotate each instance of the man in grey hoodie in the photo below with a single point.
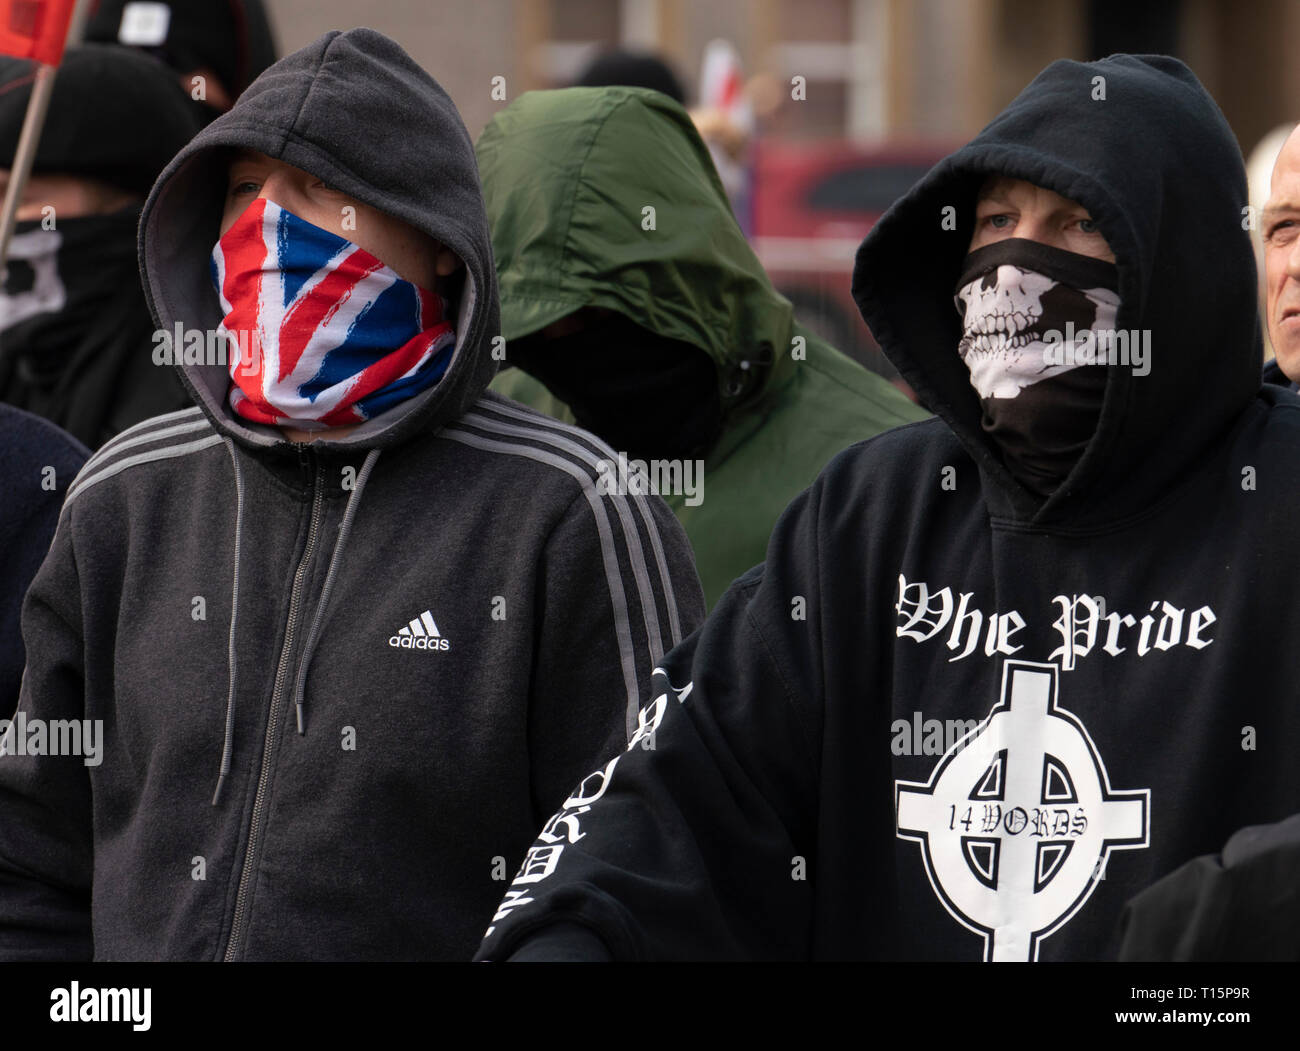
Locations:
(352, 626)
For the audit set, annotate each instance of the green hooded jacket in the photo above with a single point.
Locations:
(568, 176)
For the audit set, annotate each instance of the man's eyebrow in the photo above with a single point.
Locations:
(1071, 208)
(1276, 208)
(246, 156)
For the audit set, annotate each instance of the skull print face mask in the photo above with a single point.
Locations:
(1032, 322)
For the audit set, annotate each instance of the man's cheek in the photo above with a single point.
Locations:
(1273, 278)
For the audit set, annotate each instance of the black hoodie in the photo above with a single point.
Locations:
(948, 719)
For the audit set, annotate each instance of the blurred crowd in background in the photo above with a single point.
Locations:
(889, 87)
(818, 113)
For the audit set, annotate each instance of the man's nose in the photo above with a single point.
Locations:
(1032, 228)
(280, 188)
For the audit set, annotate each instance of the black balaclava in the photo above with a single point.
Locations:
(230, 37)
(1031, 317)
(647, 396)
(57, 282)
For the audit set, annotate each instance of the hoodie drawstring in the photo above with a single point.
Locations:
(228, 744)
(345, 528)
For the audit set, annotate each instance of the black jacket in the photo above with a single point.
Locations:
(37, 463)
(1242, 903)
(1274, 375)
(948, 719)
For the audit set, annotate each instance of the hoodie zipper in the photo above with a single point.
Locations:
(237, 925)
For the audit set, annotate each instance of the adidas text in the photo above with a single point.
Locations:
(420, 634)
(405, 642)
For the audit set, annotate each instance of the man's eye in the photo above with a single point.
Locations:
(1088, 226)
(998, 222)
(243, 186)
(1283, 230)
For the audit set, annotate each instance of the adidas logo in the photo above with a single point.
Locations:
(420, 634)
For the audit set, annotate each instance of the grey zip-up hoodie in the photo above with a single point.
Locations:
(340, 685)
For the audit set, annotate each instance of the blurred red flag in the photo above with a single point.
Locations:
(35, 28)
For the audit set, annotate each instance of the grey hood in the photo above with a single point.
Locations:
(356, 111)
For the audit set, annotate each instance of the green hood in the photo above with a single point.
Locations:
(567, 176)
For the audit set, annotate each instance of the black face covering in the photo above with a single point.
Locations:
(58, 281)
(650, 397)
(73, 323)
(1031, 317)
(1044, 431)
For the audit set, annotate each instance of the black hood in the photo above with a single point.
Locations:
(355, 110)
(1159, 170)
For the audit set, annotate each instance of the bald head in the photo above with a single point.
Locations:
(1280, 226)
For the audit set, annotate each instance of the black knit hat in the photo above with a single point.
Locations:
(115, 115)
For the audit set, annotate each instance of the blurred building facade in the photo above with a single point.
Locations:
(936, 69)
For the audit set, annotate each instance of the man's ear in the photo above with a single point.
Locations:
(450, 287)
(446, 262)
(202, 85)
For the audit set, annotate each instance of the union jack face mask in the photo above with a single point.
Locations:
(327, 334)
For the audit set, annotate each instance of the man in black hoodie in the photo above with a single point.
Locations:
(75, 332)
(1004, 668)
(349, 627)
